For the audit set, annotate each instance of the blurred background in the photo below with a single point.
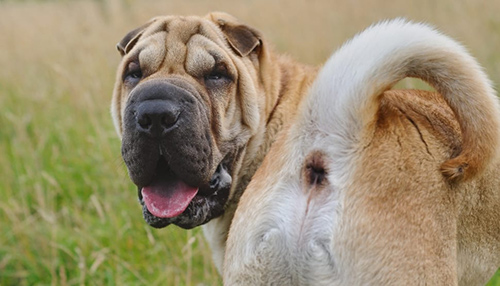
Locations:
(68, 212)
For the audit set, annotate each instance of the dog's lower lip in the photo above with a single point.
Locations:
(139, 193)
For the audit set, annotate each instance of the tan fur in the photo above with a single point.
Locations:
(251, 113)
(400, 214)
(372, 186)
(434, 226)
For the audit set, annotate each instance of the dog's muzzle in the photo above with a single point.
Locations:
(168, 150)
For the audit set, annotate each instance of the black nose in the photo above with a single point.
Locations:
(156, 117)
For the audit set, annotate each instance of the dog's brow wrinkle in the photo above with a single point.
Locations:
(162, 63)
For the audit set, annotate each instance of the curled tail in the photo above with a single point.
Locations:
(354, 78)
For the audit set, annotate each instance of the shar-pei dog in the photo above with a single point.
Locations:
(197, 103)
(371, 186)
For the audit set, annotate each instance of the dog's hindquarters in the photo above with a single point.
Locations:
(381, 212)
(355, 76)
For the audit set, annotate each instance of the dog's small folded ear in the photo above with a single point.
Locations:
(243, 39)
(131, 38)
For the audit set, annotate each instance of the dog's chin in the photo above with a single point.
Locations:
(208, 203)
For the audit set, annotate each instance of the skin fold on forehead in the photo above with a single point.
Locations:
(185, 42)
(180, 46)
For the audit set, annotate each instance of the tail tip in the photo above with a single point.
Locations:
(458, 169)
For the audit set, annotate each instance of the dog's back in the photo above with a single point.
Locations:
(378, 187)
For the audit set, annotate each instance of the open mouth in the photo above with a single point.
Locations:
(166, 196)
(168, 199)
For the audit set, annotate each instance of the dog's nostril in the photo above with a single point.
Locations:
(156, 117)
(168, 120)
(144, 121)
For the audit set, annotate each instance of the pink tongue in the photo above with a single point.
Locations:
(167, 199)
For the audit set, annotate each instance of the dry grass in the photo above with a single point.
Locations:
(68, 213)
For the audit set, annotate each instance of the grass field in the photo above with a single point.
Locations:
(68, 212)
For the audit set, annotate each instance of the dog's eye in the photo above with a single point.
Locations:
(133, 74)
(214, 77)
(218, 77)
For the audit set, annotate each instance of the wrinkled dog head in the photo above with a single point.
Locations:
(185, 104)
